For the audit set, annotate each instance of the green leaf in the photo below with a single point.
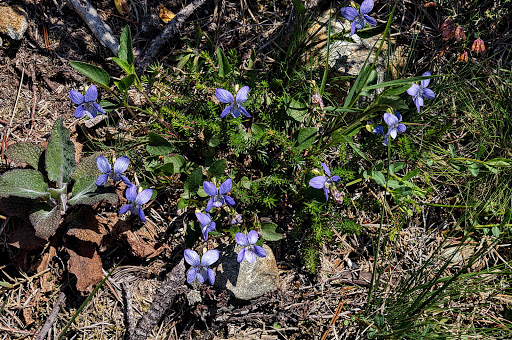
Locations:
(410, 174)
(502, 162)
(270, 231)
(214, 141)
(25, 153)
(379, 178)
(192, 183)
(125, 46)
(245, 182)
(305, 137)
(23, 183)
(496, 231)
(296, 110)
(127, 68)
(175, 165)
(395, 90)
(158, 145)
(95, 73)
(45, 222)
(474, 168)
(81, 187)
(87, 167)
(224, 66)
(396, 167)
(408, 81)
(217, 168)
(299, 7)
(125, 83)
(60, 155)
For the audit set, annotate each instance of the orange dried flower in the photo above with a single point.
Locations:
(448, 29)
(463, 57)
(478, 46)
(430, 4)
(459, 34)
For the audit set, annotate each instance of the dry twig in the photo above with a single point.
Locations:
(51, 318)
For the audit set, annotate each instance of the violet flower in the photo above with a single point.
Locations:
(86, 103)
(137, 200)
(218, 196)
(250, 249)
(418, 92)
(324, 182)
(200, 270)
(120, 166)
(359, 19)
(207, 224)
(235, 106)
(394, 127)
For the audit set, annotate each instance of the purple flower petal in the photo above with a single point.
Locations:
(326, 192)
(79, 112)
(210, 188)
(241, 239)
(124, 209)
(392, 132)
(252, 237)
(366, 7)
(211, 276)
(141, 215)
(244, 111)
(125, 180)
(90, 113)
(121, 164)
(241, 255)
(424, 83)
(401, 128)
(353, 27)
(209, 205)
(192, 274)
(226, 186)
(259, 251)
(103, 164)
(250, 256)
(371, 21)
(229, 201)
(204, 219)
(336, 178)
(202, 274)
(131, 193)
(418, 101)
(192, 258)
(414, 90)
(390, 119)
(428, 93)
(144, 196)
(224, 96)
(98, 108)
(318, 182)
(326, 169)
(385, 140)
(102, 179)
(349, 13)
(91, 94)
(225, 111)
(378, 129)
(76, 97)
(210, 257)
(398, 115)
(241, 95)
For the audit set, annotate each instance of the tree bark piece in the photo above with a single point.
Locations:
(163, 299)
(99, 28)
(170, 30)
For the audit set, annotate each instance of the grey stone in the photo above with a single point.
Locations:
(13, 21)
(246, 280)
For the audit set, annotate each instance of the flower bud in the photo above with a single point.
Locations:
(478, 46)
(459, 34)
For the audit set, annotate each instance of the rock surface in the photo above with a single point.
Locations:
(13, 21)
(246, 280)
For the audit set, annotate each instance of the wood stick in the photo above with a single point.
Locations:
(163, 299)
(170, 31)
(51, 319)
(98, 27)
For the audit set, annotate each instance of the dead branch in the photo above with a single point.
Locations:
(98, 27)
(163, 299)
(170, 31)
(51, 318)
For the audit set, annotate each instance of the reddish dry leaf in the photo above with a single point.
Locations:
(164, 14)
(45, 280)
(138, 246)
(85, 264)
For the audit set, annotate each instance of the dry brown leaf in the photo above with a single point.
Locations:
(138, 246)
(122, 6)
(164, 14)
(45, 281)
(86, 265)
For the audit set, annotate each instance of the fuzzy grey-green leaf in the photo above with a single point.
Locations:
(87, 167)
(93, 198)
(23, 183)
(60, 155)
(25, 153)
(45, 222)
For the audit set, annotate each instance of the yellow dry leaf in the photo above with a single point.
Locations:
(122, 6)
(165, 14)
